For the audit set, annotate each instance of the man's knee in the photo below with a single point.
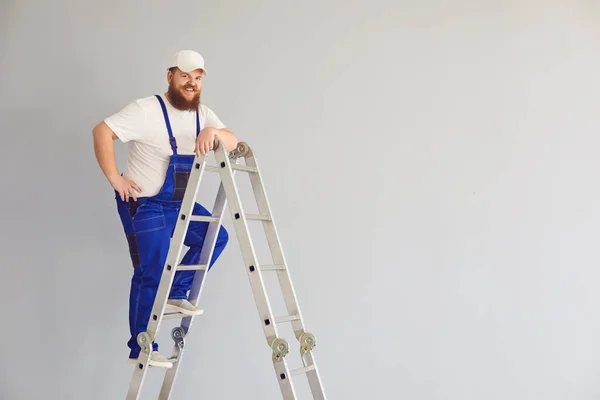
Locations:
(223, 237)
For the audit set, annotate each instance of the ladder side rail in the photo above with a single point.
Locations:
(313, 376)
(252, 267)
(264, 208)
(166, 281)
(307, 341)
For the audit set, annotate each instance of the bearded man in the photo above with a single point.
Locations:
(164, 134)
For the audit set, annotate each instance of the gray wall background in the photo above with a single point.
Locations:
(432, 168)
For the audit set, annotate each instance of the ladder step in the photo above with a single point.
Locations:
(276, 267)
(257, 217)
(302, 370)
(196, 267)
(201, 218)
(174, 315)
(236, 167)
(286, 319)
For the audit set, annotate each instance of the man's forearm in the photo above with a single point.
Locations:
(228, 138)
(104, 149)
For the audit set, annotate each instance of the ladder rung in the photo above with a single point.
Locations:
(195, 267)
(287, 319)
(257, 217)
(276, 267)
(202, 218)
(302, 370)
(238, 167)
(212, 168)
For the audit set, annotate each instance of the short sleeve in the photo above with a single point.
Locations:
(211, 120)
(129, 123)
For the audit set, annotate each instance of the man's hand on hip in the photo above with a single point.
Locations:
(126, 188)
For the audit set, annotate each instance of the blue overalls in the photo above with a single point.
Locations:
(149, 223)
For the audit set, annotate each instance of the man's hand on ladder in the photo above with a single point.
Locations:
(206, 141)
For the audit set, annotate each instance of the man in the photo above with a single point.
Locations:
(164, 134)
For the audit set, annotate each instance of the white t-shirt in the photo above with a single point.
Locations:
(142, 126)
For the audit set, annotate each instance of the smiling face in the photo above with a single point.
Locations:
(185, 88)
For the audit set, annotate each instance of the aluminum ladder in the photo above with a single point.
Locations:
(227, 164)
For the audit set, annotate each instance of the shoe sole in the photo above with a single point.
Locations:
(183, 310)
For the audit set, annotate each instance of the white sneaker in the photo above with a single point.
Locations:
(183, 306)
(156, 360)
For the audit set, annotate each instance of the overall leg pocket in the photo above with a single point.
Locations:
(149, 218)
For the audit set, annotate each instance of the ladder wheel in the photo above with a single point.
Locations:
(144, 340)
(177, 333)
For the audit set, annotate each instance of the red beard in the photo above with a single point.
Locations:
(181, 103)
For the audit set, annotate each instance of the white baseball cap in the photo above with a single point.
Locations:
(187, 61)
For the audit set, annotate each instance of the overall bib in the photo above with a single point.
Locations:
(149, 223)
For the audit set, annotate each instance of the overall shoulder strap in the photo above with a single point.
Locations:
(198, 127)
(172, 140)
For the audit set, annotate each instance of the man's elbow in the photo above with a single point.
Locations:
(233, 144)
(230, 140)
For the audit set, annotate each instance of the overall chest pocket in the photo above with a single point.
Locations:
(181, 176)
